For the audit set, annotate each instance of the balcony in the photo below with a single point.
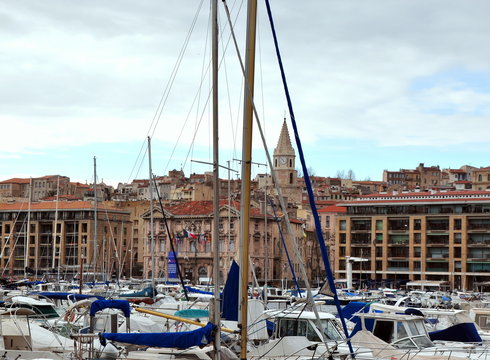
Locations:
(397, 268)
(479, 227)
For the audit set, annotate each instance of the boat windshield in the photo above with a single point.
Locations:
(307, 328)
(416, 327)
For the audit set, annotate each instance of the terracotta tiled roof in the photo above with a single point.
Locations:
(458, 171)
(63, 205)
(333, 209)
(202, 207)
(15, 181)
(77, 184)
(61, 198)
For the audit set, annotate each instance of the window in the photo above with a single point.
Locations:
(379, 224)
(343, 225)
(417, 224)
(457, 224)
(343, 238)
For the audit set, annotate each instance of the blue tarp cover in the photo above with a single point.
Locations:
(122, 305)
(66, 295)
(197, 291)
(229, 303)
(180, 340)
(353, 307)
(464, 332)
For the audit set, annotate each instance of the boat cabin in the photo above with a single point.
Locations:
(400, 331)
(303, 323)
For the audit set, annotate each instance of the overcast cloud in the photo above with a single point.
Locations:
(386, 75)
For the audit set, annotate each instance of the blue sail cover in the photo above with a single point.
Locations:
(66, 295)
(122, 305)
(229, 303)
(181, 340)
(464, 332)
(198, 291)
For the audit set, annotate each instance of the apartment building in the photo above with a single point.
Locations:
(47, 235)
(416, 236)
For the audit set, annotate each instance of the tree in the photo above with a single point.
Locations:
(340, 174)
(351, 175)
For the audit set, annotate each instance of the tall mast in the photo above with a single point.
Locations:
(152, 228)
(27, 240)
(246, 172)
(266, 243)
(94, 257)
(55, 230)
(215, 236)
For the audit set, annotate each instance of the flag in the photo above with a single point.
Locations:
(191, 235)
(304, 234)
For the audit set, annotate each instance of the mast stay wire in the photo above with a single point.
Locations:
(204, 73)
(234, 129)
(204, 76)
(163, 100)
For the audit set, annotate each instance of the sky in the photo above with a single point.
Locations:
(375, 85)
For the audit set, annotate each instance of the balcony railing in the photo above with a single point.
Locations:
(478, 227)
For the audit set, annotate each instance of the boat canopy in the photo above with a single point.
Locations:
(181, 340)
(122, 305)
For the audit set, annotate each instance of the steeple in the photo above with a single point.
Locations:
(284, 146)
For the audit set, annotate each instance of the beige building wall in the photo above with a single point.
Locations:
(448, 240)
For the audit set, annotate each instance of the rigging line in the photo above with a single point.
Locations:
(171, 241)
(276, 219)
(311, 198)
(12, 229)
(112, 237)
(192, 105)
(261, 75)
(204, 72)
(166, 92)
(15, 243)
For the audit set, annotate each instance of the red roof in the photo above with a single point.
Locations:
(63, 205)
(16, 181)
(333, 209)
(202, 207)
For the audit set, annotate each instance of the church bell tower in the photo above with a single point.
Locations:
(284, 165)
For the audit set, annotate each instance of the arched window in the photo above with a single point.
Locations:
(479, 177)
(290, 178)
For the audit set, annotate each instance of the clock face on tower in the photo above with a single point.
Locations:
(282, 160)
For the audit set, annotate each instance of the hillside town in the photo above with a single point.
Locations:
(424, 223)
